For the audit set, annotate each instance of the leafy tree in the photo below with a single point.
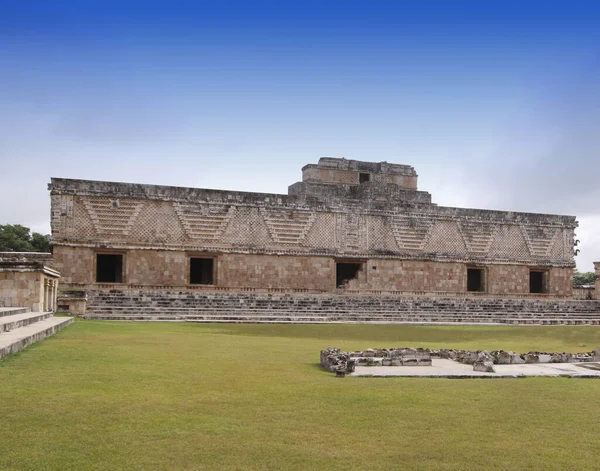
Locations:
(17, 238)
(580, 279)
(40, 242)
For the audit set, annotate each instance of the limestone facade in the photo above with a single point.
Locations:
(26, 280)
(597, 284)
(349, 226)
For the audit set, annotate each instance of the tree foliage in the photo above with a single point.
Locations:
(17, 238)
(580, 279)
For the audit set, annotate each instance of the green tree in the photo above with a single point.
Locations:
(580, 279)
(17, 238)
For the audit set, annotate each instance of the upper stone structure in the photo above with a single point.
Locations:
(354, 172)
(355, 179)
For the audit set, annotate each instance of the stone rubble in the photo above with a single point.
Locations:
(335, 361)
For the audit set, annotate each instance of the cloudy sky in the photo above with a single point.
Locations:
(495, 103)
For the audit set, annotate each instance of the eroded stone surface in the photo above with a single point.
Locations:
(486, 366)
(332, 359)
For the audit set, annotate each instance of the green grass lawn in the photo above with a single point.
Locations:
(109, 395)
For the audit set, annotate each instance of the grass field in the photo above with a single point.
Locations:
(108, 395)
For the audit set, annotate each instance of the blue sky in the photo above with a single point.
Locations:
(495, 103)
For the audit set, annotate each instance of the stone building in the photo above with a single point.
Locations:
(347, 227)
(26, 280)
(597, 283)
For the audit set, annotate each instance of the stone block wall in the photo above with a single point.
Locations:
(514, 279)
(268, 271)
(394, 275)
(75, 264)
(409, 275)
(597, 286)
(172, 268)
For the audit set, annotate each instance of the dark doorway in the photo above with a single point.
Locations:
(475, 279)
(201, 271)
(536, 282)
(345, 272)
(109, 268)
(364, 177)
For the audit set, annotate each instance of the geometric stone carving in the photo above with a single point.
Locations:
(477, 235)
(288, 226)
(509, 242)
(411, 233)
(113, 216)
(562, 245)
(540, 239)
(446, 238)
(204, 221)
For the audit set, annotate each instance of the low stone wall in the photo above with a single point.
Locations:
(73, 302)
(341, 363)
(501, 357)
(336, 361)
(587, 293)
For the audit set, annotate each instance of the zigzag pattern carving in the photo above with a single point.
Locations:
(478, 236)
(540, 240)
(113, 216)
(204, 221)
(288, 227)
(411, 233)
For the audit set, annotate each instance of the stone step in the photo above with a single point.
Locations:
(326, 312)
(9, 311)
(8, 323)
(309, 320)
(582, 306)
(19, 338)
(390, 318)
(205, 306)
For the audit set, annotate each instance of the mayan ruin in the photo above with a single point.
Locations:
(349, 228)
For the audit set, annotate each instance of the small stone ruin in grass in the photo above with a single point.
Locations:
(342, 363)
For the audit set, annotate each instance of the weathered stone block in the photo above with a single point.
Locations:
(532, 358)
(484, 366)
(544, 358)
(503, 358)
(517, 359)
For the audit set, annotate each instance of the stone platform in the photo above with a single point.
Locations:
(19, 328)
(442, 368)
(248, 307)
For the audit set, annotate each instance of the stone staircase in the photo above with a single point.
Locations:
(19, 328)
(145, 305)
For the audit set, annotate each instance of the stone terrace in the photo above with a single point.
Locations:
(146, 305)
(19, 328)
